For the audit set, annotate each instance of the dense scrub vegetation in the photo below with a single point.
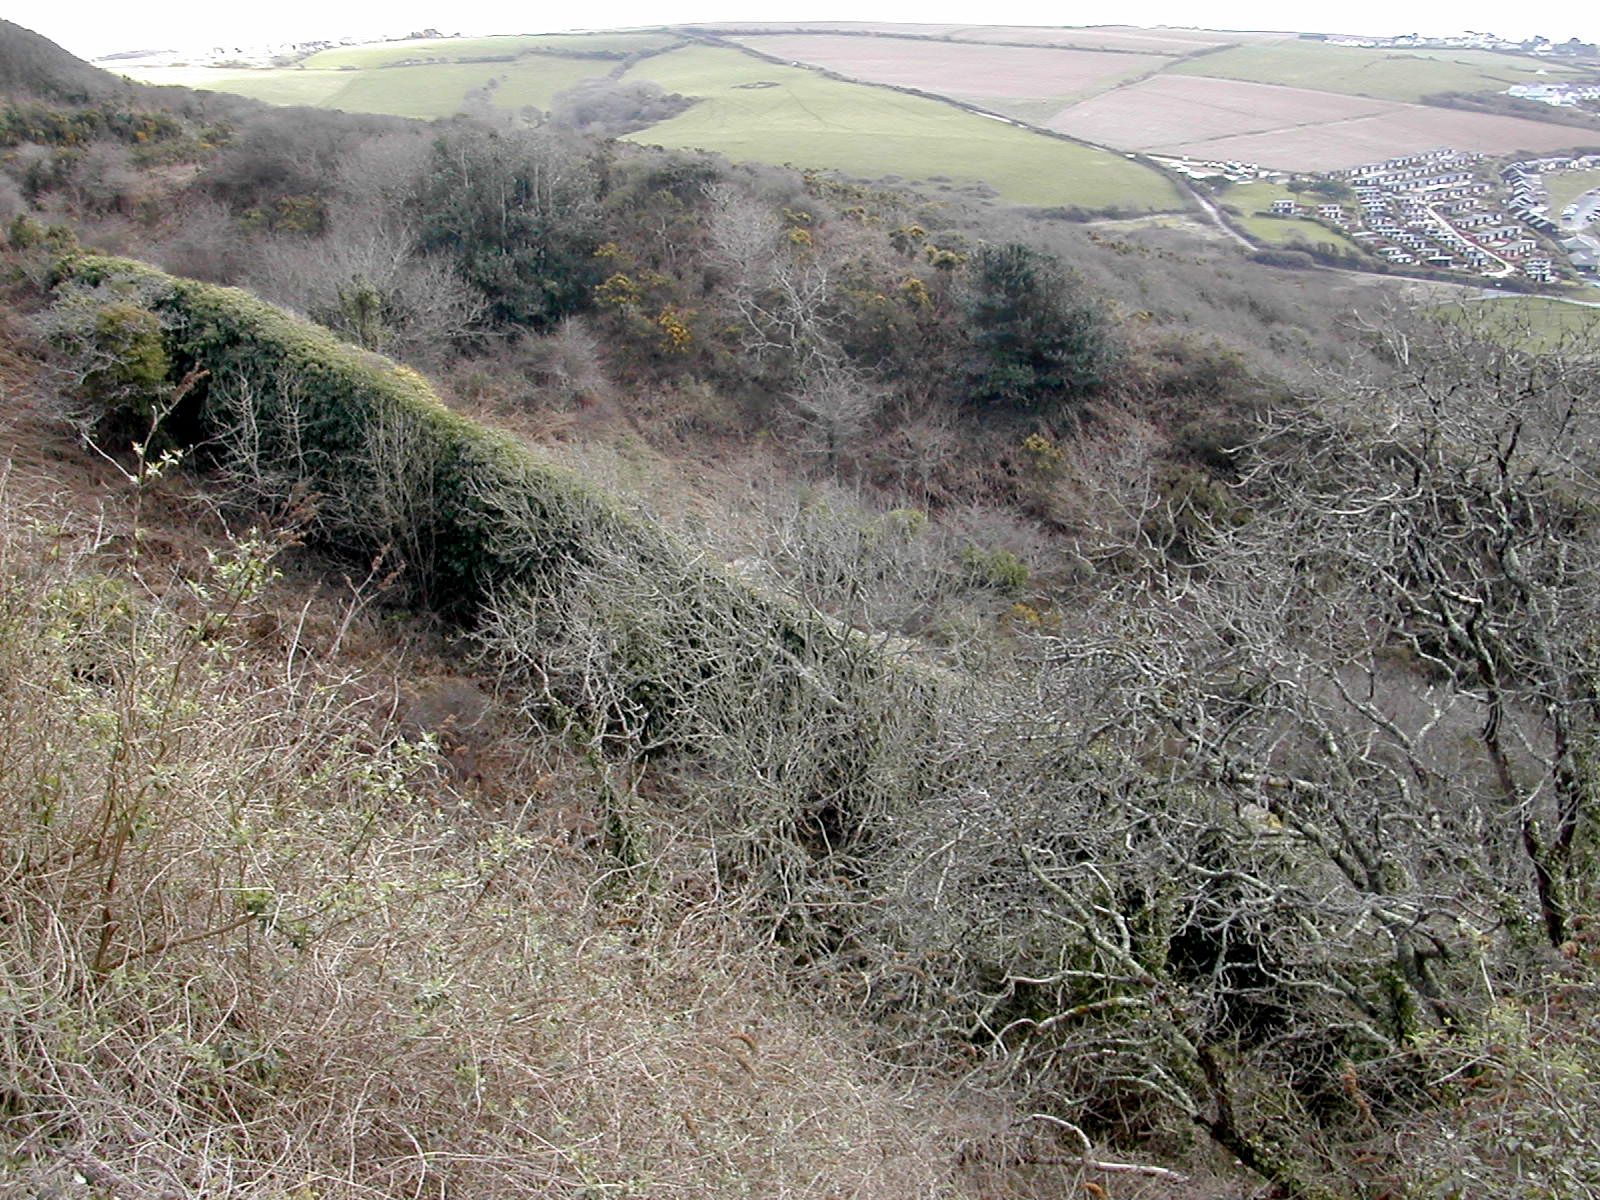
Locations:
(260, 934)
(1169, 762)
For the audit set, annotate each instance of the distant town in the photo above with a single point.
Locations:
(1444, 210)
(1541, 46)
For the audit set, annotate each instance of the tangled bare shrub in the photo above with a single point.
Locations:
(367, 281)
(12, 202)
(797, 738)
(566, 363)
(1267, 826)
(251, 942)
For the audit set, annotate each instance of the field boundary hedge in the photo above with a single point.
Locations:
(817, 725)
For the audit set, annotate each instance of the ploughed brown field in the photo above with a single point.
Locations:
(1290, 128)
(959, 69)
(1161, 113)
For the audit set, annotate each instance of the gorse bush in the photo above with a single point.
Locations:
(135, 367)
(77, 126)
(291, 407)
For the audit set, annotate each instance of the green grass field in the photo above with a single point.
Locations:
(1566, 186)
(1536, 323)
(752, 109)
(749, 109)
(1383, 74)
(1292, 232)
(315, 88)
(427, 91)
(464, 49)
(1257, 197)
(1253, 202)
(439, 90)
(529, 69)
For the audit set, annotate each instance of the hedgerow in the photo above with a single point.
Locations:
(800, 728)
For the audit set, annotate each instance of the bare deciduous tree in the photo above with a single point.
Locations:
(782, 293)
(834, 405)
(367, 280)
(1268, 819)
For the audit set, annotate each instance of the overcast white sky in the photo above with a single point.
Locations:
(91, 27)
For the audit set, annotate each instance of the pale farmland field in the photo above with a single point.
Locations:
(385, 54)
(756, 110)
(960, 69)
(1155, 40)
(1292, 128)
(1169, 110)
(425, 91)
(1384, 74)
(1413, 129)
(1138, 41)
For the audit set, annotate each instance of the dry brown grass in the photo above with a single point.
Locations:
(253, 942)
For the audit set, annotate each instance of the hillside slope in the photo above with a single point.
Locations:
(292, 901)
(34, 64)
(890, 696)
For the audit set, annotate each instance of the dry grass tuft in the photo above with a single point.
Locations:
(255, 942)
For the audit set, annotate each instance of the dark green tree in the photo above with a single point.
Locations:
(518, 212)
(1038, 343)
